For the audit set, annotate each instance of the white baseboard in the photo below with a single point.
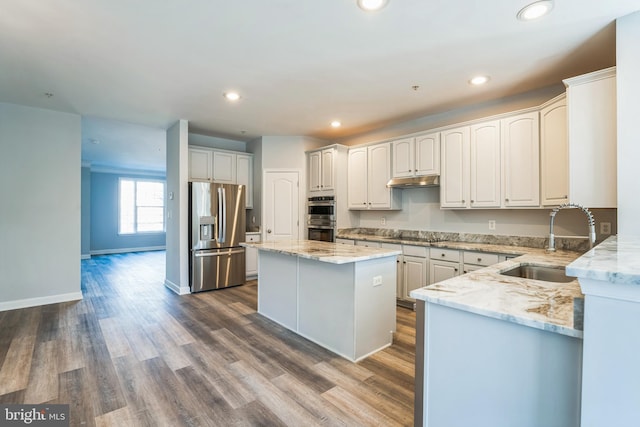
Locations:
(180, 290)
(126, 250)
(34, 302)
(85, 256)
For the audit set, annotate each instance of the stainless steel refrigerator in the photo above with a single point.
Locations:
(217, 226)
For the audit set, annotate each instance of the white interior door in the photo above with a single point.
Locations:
(281, 205)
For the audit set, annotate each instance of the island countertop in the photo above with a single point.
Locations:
(543, 305)
(334, 253)
(616, 260)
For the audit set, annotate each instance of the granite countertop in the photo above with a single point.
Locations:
(544, 305)
(334, 253)
(616, 260)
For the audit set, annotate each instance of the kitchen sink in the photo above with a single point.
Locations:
(539, 272)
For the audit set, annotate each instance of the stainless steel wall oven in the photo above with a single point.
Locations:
(321, 218)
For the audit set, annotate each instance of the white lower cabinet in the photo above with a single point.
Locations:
(444, 264)
(415, 261)
(476, 260)
(251, 256)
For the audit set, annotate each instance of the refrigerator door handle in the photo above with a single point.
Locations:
(224, 215)
(200, 254)
(221, 219)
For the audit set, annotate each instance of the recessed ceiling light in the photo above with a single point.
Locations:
(535, 10)
(371, 5)
(336, 124)
(231, 96)
(479, 80)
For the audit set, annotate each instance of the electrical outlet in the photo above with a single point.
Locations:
(605, 228)
(383, 221)
(377, 280)
(492, 224)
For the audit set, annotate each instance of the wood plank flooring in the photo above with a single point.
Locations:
(132, 353)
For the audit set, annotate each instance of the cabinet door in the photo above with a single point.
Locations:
(357, 178)
(454, 180)
(326, 169)
(554, 154)
(415, 273)
(443, 270)
(427, 154)
(403, 158)
(199, 164)
(314, 165)
(244, 176)
(485, 165)
(521, 160)
(378, 174)
(224, 167)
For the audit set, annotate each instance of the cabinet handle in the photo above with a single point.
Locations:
(442, 254)
(506, 200)
(404, 262)
(566, 197)
(462, 200)
(464, 271)
(455, 269)
(269, 231)
(479, 259)
(472, 201)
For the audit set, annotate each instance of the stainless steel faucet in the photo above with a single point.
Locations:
(592, 224)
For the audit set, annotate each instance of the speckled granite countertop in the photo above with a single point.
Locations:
(544, 305)
(323, 251)
(616, 260)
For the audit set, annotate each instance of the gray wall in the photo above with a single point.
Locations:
(85, 221)
(628, 86)
(40, 208)
(104, 217)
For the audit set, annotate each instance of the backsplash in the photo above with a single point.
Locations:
(565, 243)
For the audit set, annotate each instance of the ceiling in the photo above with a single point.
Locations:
(298, 65)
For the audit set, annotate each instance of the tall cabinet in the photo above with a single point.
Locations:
(591, 119)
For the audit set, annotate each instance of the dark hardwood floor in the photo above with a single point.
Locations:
(132, 353)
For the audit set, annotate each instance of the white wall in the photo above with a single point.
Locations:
(628, 91)
(40, 206)
(177, 263)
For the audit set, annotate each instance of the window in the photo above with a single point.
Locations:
(141, 206)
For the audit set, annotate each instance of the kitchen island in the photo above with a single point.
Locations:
(340, 297)
(496, 350)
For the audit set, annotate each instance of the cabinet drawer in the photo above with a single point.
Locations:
(367, 244)
(345, 241)
(421, 251)
(480, 258)
(252, 238)
(445, 254)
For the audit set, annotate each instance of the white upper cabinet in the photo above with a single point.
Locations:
(224, 167)
(244, 176)
(591, 110)
(554, 153)
(454, 181)
(320, 165)
(485, 165)
(521, 160)
(357, 179)
(227, 167)
(416, 156)
(369, 170)
(200, 164)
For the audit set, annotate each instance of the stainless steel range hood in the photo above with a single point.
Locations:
(415, 181)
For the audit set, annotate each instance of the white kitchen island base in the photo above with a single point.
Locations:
(347, 307)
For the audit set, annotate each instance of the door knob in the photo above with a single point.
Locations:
(269, 230)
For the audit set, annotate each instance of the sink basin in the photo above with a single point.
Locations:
(538, 272)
